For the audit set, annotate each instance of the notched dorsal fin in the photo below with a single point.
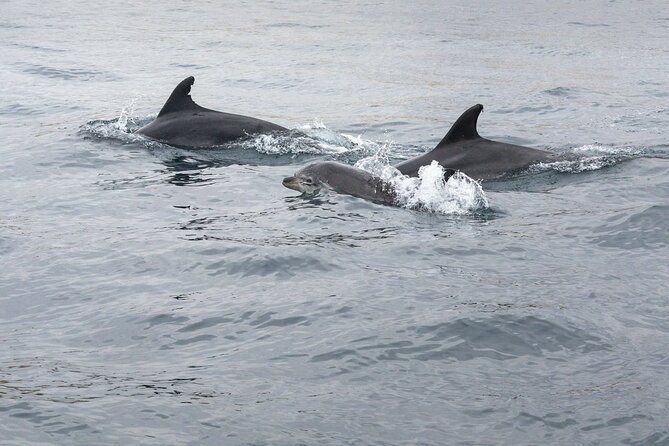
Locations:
(180, 99)
(464, 127)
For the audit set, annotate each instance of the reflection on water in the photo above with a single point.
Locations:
(188, 171)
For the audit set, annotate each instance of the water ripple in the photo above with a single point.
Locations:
(156, 295)
(498, 338)
(646, 229)
(282, 267)
(68, 73)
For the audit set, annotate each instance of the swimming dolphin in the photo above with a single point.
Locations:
(183, 123)
(463, 149)
(342, 178)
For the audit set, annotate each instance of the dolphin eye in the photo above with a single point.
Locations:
(309, 181)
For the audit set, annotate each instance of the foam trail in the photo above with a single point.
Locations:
(587, 158)
(314, 138)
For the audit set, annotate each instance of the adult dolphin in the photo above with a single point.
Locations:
(183, 123)
(343, 179)
(465, 150)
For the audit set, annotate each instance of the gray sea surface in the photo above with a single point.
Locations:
(153, 295)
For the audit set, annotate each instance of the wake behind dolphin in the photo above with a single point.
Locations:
(183, 123)
(465, 150)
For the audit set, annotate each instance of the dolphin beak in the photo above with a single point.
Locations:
(293, 183)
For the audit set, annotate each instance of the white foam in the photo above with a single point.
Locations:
(575, 166)
(282, 144)
(429, 192)
(312, 138)
(358, 140)
(588, 157)
(596, 149)
(121, 128)
(315, 124)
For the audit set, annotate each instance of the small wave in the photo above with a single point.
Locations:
(594, 149)
(459, 195)
(563, 92)
(5, 245)
(118, 129)
(295, 25)
(646, 229)
(292, 143)
(575, 166)
(587, 158)
(11, 25)
(17, 109)
(589, 25)
(67, 73)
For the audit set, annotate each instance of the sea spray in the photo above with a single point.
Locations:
(429, 191)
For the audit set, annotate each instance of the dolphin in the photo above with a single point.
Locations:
(183, 123)
(465, 150)
(343, 179)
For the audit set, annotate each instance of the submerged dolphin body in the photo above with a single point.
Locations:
(183, 123)
(465, 150)
(343, 179)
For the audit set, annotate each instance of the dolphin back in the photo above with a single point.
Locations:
(183, 123)
(464, 149)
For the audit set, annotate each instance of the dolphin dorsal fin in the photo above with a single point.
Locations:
(180, 99)
(464, 127)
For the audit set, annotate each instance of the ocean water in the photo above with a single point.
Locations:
(153, 295)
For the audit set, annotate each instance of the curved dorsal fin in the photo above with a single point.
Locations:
(464, 127)
(180, 99)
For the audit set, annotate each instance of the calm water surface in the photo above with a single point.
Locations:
(151, 295)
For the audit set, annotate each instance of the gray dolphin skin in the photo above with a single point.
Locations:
(183, 123)
(465, 150)
(343, 179)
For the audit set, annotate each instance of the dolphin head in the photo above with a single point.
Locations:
(342, 179)
(306, 180)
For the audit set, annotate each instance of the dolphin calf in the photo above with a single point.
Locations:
(183, 123)
(343, 179)
(465, 150)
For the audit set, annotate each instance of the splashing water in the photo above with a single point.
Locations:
(126, 115)
(312, 139)
(459, 195)
(292, 143)
(587, 158)
(594, 149)
(121, 129)
(429, 192)
(112, 130)
(315, 124)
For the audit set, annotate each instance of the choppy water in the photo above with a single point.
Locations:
(151, 295)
